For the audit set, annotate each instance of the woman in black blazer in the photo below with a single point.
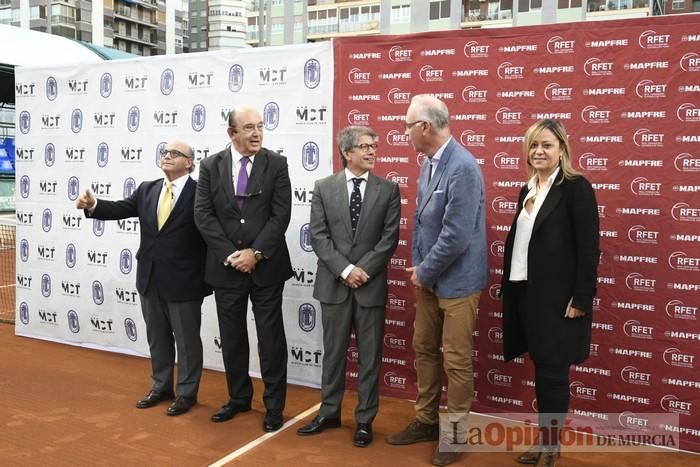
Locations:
(549, 277)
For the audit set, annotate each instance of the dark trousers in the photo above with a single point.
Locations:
(551, 384)
(170, 326)
(231, 309)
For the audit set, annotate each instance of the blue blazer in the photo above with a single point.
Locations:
(449, 226)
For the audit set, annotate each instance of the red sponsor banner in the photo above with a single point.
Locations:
(628, 93)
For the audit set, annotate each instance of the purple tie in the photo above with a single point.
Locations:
(242, 184)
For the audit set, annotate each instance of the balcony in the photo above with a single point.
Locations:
(129, 15)
(135, 38)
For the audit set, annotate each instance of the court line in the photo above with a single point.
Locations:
(247, 447)
(5, 286)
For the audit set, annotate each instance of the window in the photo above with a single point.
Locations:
(439, 9)
(400, 14)
(527, 5)
(193, 30)
(678, 5)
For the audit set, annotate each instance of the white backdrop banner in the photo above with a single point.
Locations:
(100, 126)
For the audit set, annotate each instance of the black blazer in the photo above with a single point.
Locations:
(562, 263)
(172, 259)
(260, 225)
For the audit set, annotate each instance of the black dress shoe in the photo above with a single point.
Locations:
(153, 397)
(363, 435)
(228, 411)
(273, 421)
(317, 425)
(181, 405)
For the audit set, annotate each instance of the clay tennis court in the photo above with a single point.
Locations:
(62, 405)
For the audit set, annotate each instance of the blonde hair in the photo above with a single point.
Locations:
(557, 128)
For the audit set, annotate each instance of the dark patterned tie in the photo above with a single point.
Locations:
(242, 184)
(355, 203)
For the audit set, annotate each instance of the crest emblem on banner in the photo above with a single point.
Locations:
(46, 285)
(167, 81)
(24, 313)
(129, 187)
(199, 117)
(102, 154)
(73, 323)
(310, 156)
(106, 85)
(312, 73)
(71, 255)
(24, 186)
(271, 115)
(73, 188)
(51, 88)
(98, 293)
(76, 121)
(307, 317)
(49, 154)
(98, 227)
(130, 329)
(46, 218)
(25, 122)
(305, 238)
(24, 250)
(159, 149)
(133, 119)
(125, 261)
(235, 78)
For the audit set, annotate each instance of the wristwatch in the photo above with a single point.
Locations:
(258, 255)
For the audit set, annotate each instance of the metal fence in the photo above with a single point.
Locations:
(7, 271)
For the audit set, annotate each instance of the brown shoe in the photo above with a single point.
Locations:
(445, 452)
(415, 432)
(531, 455)
(548, 458)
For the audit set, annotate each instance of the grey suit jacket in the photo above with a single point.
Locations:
(449, 226)
(371, 247)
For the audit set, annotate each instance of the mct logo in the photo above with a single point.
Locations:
(312, 73)
(235, 78)
(135, 83)
(307, 317)
(167, 81)
(106, 85)
(306, 114)
(273, 76)
(199, 117)
(271, 115)
(102, 154)
(305, 238)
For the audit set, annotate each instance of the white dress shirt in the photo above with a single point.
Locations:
(350, 185)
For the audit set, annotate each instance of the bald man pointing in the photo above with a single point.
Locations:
(169, 274)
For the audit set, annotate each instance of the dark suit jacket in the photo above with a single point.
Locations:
(374, 242)
(562, 264)
(260, 225)
(172, 259)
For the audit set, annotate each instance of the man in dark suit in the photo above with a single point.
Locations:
(449, 270)
(354, 231)
(242, 208)
(169, 274)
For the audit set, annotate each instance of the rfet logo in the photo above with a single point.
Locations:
(501, 205)
(495, 377)
(634, 328)
(683, 212)
(688, 112)
(312, 73)
(677, 309)
(674, 357)
(504, 161)
(235, 78)
(507, 70)
(686, 162)
(429, 74)
(671, 403)
(645, 138)
(556, 92)
(632, 421)
(591, 162)
(637, 282)
(647, 89)
(469, 138)
(631, 375)
(357, 76)
(473, 94)
(397, 96)
(399, 54)
(394, 137)
(473, 49)
(394, 380)
(495, 335)
(690, 61)
(558, 45)
(641, 186)
(640, 234)
(495, 291)
(597, 67)
(506, 116)
(355, 117)
(649, 39)
(580, 391)
(593, 114)
(680, 260)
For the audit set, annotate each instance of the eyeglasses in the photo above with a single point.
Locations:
(174, 153)
(412, 124)
(251, 127)
(365, 147)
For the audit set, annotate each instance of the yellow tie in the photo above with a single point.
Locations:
(166, 204)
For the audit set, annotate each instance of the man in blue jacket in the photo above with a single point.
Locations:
(448, 272)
